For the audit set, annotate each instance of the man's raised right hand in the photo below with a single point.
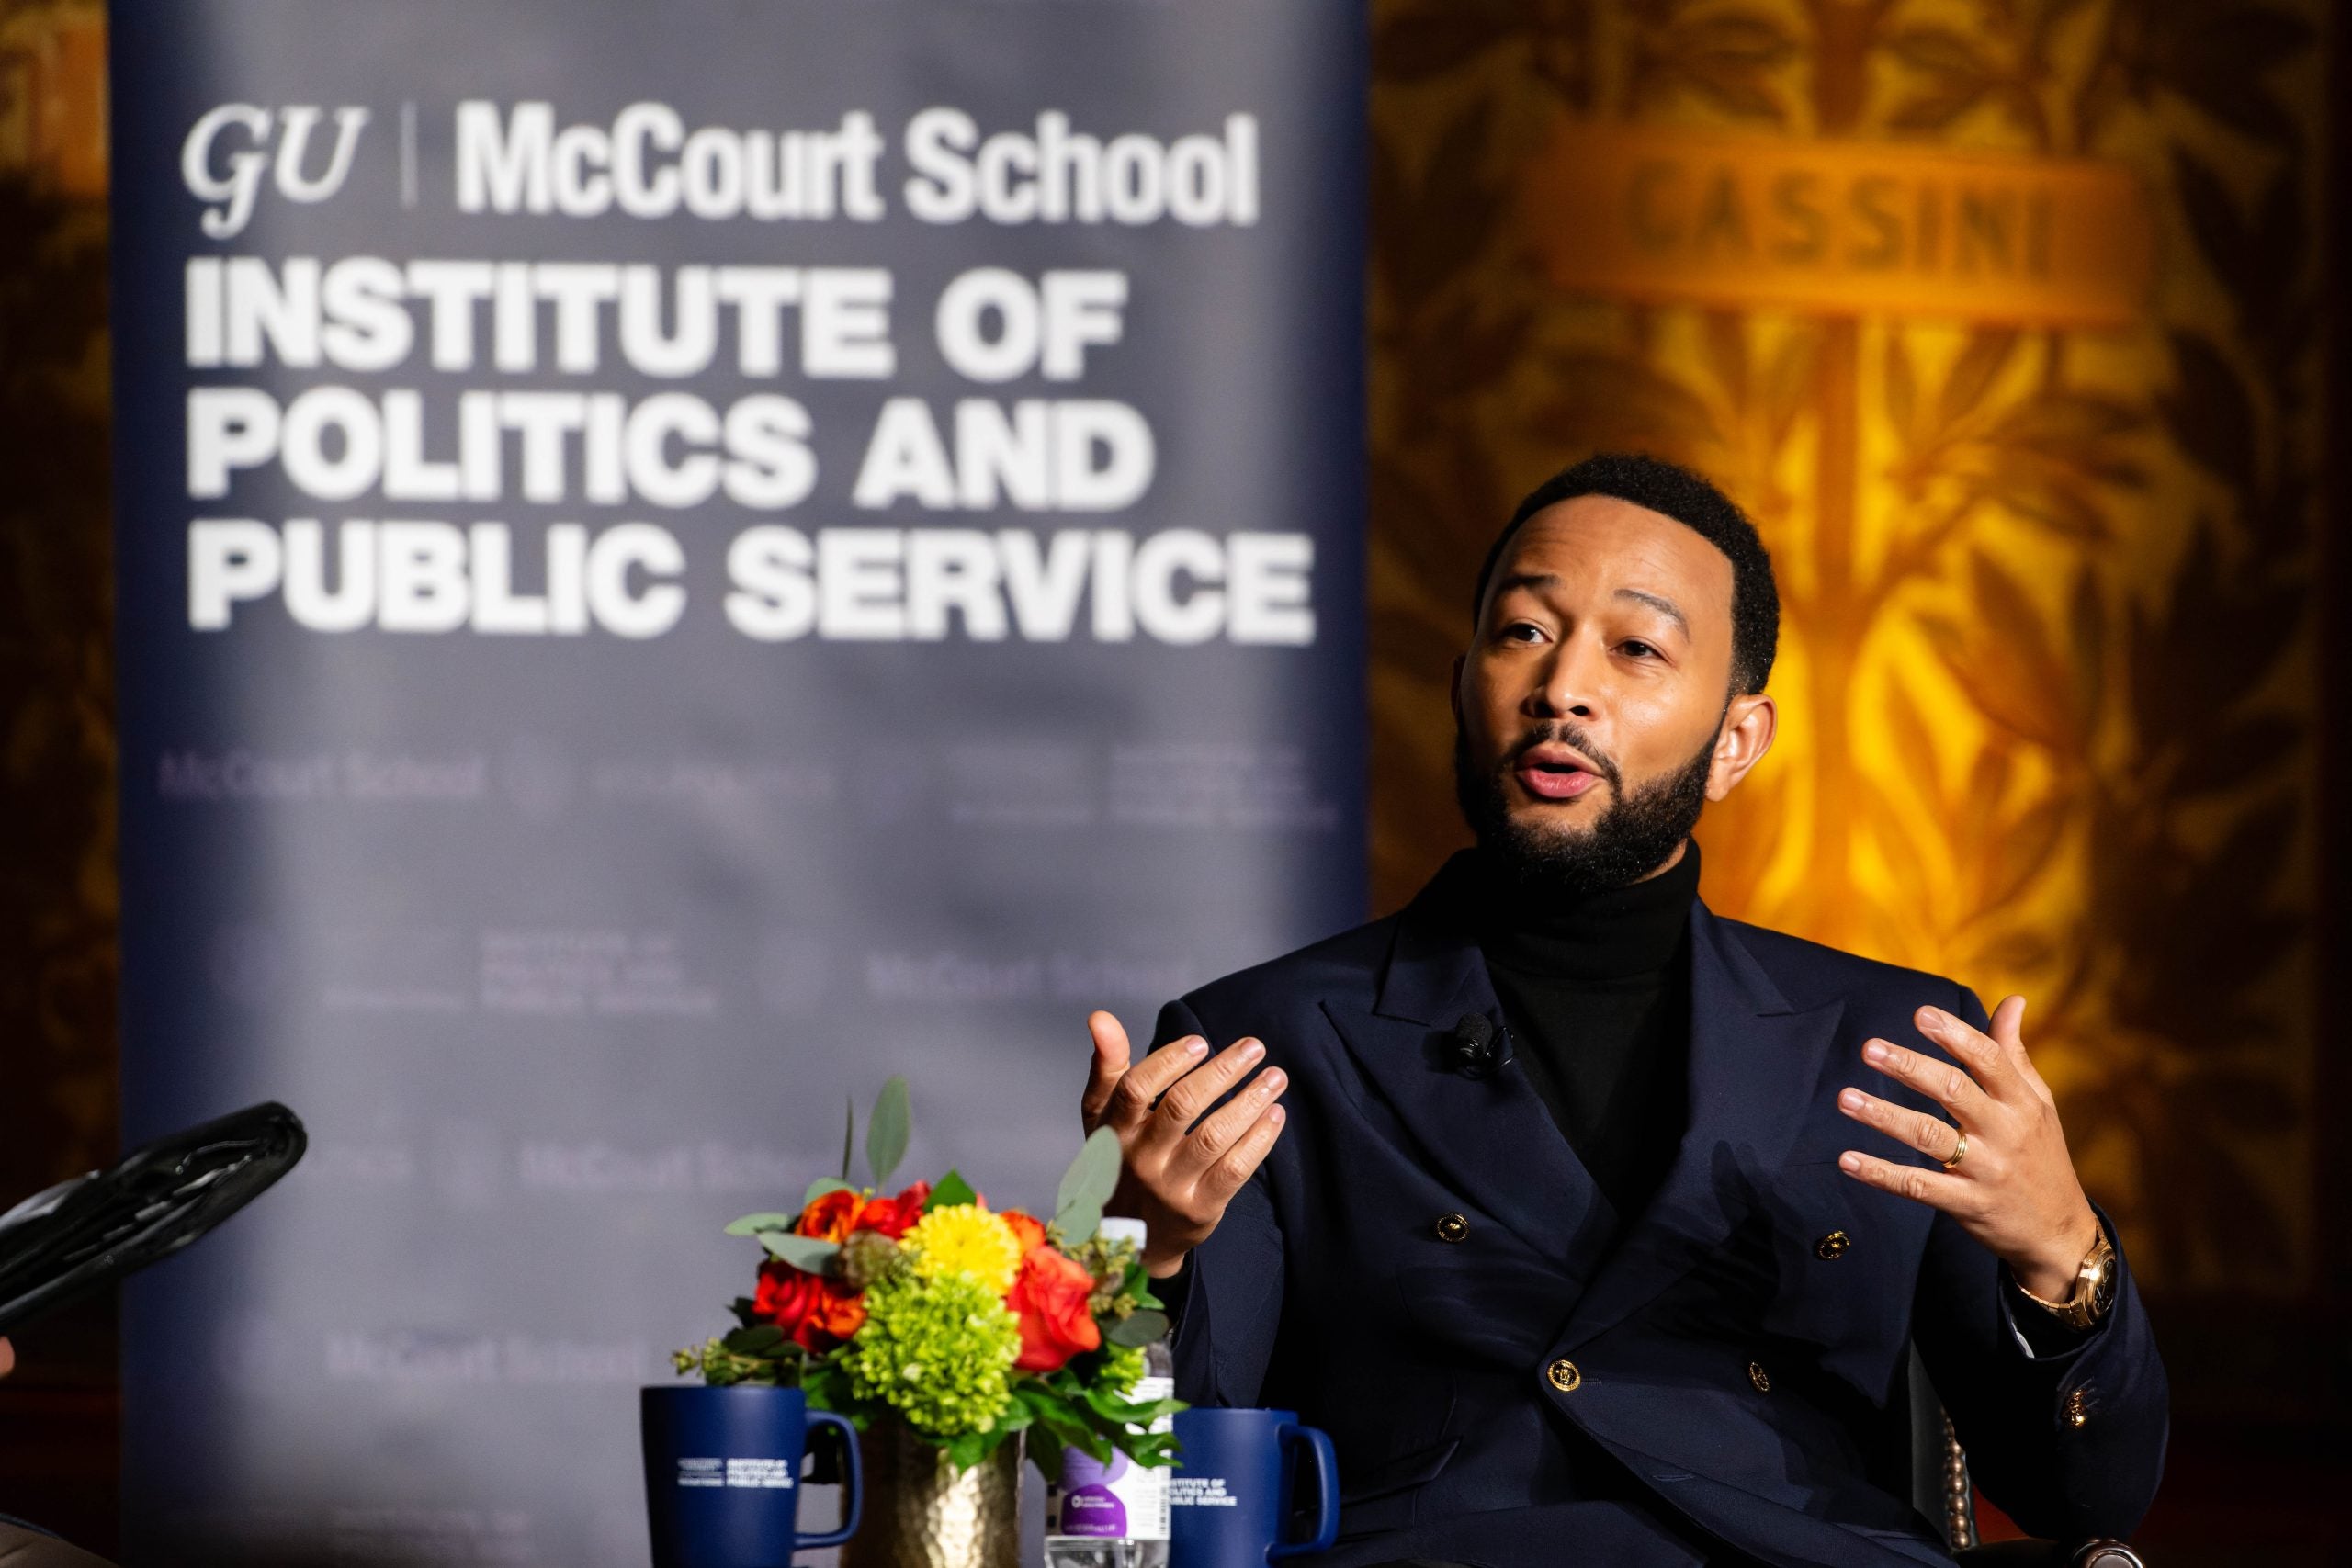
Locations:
(1178, 1169)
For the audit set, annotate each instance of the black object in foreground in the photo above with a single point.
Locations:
(83, 1235)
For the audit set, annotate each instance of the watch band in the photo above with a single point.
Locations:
(2092, 1296)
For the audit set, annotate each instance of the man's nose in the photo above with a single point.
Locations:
(1568, 686)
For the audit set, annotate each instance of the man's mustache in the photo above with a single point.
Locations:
(1567, 734)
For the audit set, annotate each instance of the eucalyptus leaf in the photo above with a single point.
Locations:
(1138, 1329)
(951, 1191)
(752, 1225)
(1086, 1186)
(817, 1189)
(886, 1130)
(1073, 1226)
(804, 1252)
(849, 1134)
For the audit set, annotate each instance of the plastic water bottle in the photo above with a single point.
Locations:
(1115, 1515)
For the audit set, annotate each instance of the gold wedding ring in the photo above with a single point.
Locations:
(1959, 1152)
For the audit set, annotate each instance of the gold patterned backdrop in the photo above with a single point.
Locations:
(59, 1424)
(57, 793)
(2048, 680)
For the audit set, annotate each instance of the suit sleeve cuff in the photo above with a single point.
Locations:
(2037, 1331)
(2041, 1337)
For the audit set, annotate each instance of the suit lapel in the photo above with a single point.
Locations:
(1756, 1063)
(1489, 1137)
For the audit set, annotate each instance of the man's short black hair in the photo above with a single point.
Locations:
(1691, 500)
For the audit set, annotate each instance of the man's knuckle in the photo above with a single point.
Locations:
(1180, 1105)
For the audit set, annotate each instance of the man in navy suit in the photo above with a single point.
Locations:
(1545, 1197)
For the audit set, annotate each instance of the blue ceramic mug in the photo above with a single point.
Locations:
(1233, 1491)
(722, 1475)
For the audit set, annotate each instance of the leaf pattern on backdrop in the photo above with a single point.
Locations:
(2048, 667)
(58, 891)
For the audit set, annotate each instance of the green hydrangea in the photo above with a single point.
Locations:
(937, 1352)
(1123, 1368)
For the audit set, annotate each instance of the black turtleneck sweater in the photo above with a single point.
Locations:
(1596, 991)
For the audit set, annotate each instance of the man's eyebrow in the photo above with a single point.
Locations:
(1662, 604)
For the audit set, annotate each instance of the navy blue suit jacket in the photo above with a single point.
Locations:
(1737, 1368)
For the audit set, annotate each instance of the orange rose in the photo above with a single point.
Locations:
(891, 1216)
(1050, 1295)
(829, 1218)
(1032, 1232)
(810, 1307)
(836, 1314)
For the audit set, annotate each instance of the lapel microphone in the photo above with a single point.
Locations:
(1477, 1046)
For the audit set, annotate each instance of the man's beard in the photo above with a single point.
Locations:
(1626, 842)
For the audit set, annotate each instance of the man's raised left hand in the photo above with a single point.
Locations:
(2013, 1185)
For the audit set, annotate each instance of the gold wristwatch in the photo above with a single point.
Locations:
(2094, 1288)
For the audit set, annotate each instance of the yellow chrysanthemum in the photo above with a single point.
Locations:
(965, 1239)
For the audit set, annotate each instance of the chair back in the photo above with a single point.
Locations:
(1939, 1484)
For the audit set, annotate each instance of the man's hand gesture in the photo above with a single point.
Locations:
(1180, 1170)
(2006, 1177)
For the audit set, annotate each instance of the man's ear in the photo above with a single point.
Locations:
(1749, 725)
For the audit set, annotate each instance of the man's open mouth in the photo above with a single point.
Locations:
(1552, 777)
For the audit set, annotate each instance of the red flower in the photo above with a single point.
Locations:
(784, 1295)
(1032, 1234)
(1050, 1296)
(891, 1216)
(810, 1308)
(829, 1218)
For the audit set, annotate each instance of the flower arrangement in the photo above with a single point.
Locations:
(966, 1324)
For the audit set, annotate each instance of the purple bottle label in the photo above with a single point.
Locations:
(1093, 1510)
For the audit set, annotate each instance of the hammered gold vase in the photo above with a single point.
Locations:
(919, 1513)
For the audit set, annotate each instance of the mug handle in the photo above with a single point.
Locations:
(853, 1484)
(1326, 1495)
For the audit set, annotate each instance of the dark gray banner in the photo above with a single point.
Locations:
(675, 562)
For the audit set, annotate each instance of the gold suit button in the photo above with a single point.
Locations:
(1757, 1375)
(1832, 1247)
(1452, 1227)
(1563, 1375)
(2078, 1409)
